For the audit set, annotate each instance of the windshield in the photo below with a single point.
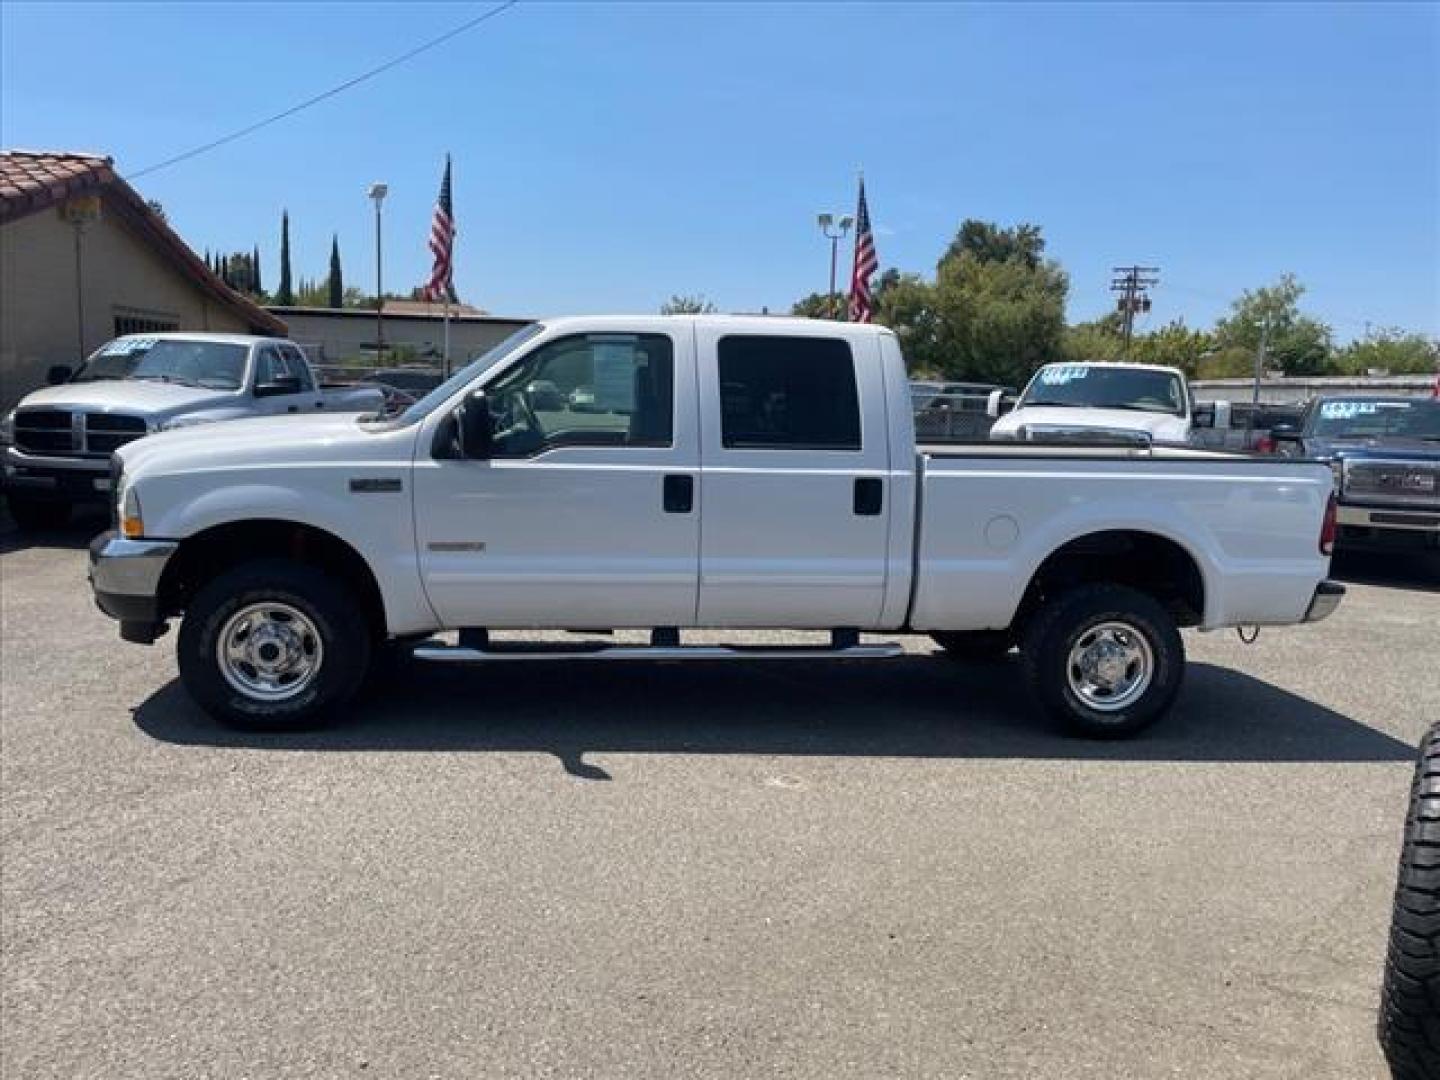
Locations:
(1100, 386)
(214, 364)
(435, 398)
(1368, 418)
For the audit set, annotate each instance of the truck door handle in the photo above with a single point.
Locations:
(869, 495)
(679, 493)
(293, 408)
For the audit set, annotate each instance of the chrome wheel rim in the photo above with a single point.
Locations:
(1111, 665)
(270, 651)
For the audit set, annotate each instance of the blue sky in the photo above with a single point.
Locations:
(607, 156)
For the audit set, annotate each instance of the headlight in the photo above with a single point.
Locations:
(7, 428)
(132, 525)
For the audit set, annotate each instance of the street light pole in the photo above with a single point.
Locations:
(841, 227)
(378, 193)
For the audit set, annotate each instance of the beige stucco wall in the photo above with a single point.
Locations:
(337, 339)
(121, 275)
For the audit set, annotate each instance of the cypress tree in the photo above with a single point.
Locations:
(255, 266)
(225, 269)
(337, 284)
(285, 295)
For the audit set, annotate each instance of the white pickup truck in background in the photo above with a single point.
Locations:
(1104, 401)
(724, 472)
(58, 441)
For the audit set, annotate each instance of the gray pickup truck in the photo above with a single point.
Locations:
(57, 442)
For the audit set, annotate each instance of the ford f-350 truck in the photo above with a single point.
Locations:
(724, 472)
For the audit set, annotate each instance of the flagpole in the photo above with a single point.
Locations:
(446, 367)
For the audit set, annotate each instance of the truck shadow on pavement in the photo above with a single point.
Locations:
(919, 706)
(1417, 571)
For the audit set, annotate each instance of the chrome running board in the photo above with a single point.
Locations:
(565, 651)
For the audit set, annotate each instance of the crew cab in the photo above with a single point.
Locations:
(1141, 402)
(58, 441)
(1385, 452)
(719, 472)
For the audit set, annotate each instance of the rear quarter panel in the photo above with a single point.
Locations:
(989, 520)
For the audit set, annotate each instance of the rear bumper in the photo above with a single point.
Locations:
(71, 480)
(125, 577)
(1328, 595)
(1382, 517)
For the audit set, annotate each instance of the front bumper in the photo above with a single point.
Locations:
(1328, 595)
(125, 576)
(58, 479)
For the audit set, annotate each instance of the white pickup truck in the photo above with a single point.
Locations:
(1106, 401)
(724, 472)
(57, 442)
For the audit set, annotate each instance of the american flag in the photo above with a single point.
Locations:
(442, 244)
(866, 262)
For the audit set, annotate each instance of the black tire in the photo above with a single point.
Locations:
(1410, 993)
(975, 645)
(339, 622)
(1054, 631)
(38, 515)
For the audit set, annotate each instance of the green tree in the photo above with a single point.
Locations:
(987, 242)
(1174, 345)
(818, 306)
(1394, 351)
(258, 288)
(336, 282)
(285, 294)
(687, 305)
(1296, 343)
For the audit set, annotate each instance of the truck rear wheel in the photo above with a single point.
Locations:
(1410, 994)
(38, 515)
(977, 645)
(1104, 661)
(273, 645)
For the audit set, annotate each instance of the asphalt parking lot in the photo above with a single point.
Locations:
(798, 870)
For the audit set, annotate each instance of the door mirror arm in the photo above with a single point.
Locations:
(476, 427)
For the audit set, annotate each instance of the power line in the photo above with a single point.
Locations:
(356, 81)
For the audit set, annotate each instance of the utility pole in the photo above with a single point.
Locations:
(841, 226)
(1259, 374)
(378, 193)
(1131, 282)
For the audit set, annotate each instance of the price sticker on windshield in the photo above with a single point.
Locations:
(1063, 373)
(1347, 410)
(126, 346)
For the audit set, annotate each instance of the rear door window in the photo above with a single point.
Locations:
(788, 393)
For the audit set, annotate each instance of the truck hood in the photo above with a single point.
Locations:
(259, 441)
(134, 397)
(1162, 427)
(1377, 448)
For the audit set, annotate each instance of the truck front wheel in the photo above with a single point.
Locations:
(273, 645)
(1410, 994)
(1104, 661)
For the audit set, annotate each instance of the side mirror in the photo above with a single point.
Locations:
(58, 373)
(992, 404)
(1285, 433)
(283, 384)
(477, 428)
(1204, 416)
